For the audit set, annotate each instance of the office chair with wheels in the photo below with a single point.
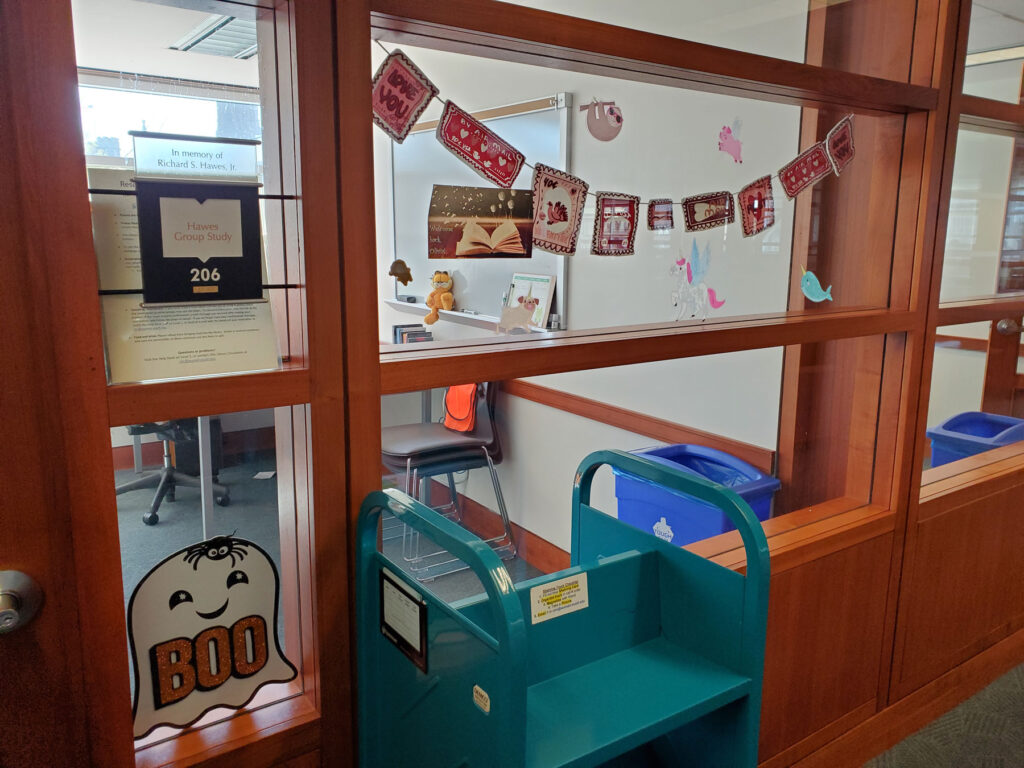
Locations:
(168, 477)
(422, 451)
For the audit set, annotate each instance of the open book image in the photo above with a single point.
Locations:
(504, 239)
(479, 222)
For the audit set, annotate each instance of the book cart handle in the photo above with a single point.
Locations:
(509, 626)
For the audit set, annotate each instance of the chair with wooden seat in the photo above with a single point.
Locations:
(423, 451)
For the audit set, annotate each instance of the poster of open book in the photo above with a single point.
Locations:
(479, 222)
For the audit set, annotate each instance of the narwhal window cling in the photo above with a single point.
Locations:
(203, 632)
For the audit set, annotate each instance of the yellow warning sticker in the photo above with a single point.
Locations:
(557, 598)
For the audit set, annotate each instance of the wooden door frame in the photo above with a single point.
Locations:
(61, 349)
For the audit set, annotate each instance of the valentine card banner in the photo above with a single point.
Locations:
(478, 146)
(757, 207)
(558, 201)
(659, 214)
(707, 211)
(811, 166)
(400, 94)
(615, 224)
(839, 144)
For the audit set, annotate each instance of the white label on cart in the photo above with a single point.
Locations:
(557, 598)
(481, 699)
(401, 610)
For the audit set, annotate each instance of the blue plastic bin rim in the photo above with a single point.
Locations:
(1014, 427)
(759, 482)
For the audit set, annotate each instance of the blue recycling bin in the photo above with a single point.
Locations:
(971, 433)
(679, 518)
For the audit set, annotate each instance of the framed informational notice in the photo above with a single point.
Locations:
(199, 241)
(146, 343)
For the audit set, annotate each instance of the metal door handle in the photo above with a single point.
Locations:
(1008, 327)
(20, 598)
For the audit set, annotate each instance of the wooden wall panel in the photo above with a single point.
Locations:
(963, 589)
(825, 628)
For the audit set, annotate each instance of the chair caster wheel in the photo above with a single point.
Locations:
(224, 500)
(151, 518)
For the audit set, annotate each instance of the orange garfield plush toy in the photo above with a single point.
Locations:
(440, 298)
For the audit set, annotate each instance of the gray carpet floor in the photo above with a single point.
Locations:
(986, 731)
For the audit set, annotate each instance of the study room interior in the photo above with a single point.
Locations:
(705, 320)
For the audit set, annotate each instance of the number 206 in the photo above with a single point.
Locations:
(205, 275)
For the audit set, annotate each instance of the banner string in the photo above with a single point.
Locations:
(772, 177)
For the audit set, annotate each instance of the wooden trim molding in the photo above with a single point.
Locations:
(535, 105)
(909, 714)
(483, 27)
(638, 423)
(159, 401)
(991, 113)
(961, 342)
(979, 310)
(439, 365)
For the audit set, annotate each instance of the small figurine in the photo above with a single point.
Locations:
(812, 288)
(400, 271)
(441, 297)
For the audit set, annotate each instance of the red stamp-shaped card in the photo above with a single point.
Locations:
(478, 146)
(707, 211)
(839, 143)
(615, 224)
(659, 214)
(400, 94)
(558, 201)
(810, 166)
(757, 208)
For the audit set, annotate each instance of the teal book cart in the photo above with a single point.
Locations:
(640, 653)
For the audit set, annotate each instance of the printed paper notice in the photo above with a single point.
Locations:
(172, 342)
(401, 612)
(557, 598)
(115, 229)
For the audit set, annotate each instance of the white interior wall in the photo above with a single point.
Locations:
(668, 147)
(977, 212)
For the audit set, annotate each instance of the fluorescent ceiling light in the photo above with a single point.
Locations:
(221, 36)
(991, 57)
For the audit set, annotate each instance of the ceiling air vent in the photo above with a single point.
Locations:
(221, 36)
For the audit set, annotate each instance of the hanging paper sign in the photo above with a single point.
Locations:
(199, 242)
(811, 287)
(839, 143)
(172, 156)
(479, 223)
(478, 146)
(604, 119)
(203, 633)
(691, 297)
(615, 224)
(757, 207)
(558, 201)
(400, 94)
(811, 166)
(659, 214)
(708, 211)
(729, 141)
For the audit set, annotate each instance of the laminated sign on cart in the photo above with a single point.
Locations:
(203, 632)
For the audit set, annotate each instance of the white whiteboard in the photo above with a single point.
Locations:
(421, 162)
